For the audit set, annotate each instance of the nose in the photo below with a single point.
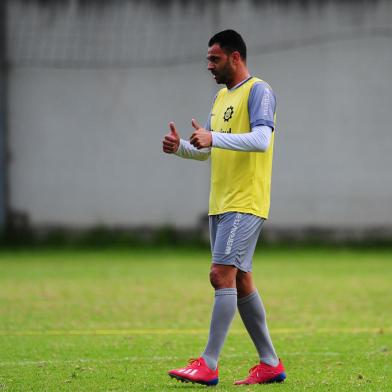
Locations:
(210, 66)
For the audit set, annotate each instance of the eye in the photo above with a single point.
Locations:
(213, 59)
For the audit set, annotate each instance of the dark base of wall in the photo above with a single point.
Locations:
(197, 237)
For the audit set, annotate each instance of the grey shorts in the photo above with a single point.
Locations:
(233, 238)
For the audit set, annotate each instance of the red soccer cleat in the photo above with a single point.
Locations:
(196, 372)
(264, 374)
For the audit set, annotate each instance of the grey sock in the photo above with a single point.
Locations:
(252, 312)
(222, 315)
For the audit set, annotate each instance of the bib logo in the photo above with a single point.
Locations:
(222, 130)
(228, 113)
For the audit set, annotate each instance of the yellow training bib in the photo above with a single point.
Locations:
(240, 181)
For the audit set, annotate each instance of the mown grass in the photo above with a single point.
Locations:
(111, 320)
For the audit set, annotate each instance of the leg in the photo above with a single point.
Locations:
(223, 279)
(252, 313)
(204, 369)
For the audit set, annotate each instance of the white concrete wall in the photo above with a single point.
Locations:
(85, 141)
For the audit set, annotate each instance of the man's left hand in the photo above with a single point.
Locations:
(201, 138)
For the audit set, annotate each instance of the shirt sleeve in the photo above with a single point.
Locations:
(186, 150)
(258, 140)
(262, 105)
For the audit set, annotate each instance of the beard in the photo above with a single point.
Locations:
(224, 75)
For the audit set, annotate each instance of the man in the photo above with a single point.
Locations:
(239, 137)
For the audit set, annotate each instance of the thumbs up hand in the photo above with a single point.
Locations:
(171, 141)
(201, 138)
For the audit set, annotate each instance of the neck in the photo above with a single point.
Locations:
(238, 77)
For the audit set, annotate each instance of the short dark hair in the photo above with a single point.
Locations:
(230, 41)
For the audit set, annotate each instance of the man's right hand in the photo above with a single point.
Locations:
(171, 141)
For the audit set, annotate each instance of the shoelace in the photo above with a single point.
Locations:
(254, 373)
(194, 362)
(253, 368)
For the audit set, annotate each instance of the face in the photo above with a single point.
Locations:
(220, 64)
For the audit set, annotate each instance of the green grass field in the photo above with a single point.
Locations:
(118, 320)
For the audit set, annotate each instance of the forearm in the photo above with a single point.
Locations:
(187, 151)
(258, 140)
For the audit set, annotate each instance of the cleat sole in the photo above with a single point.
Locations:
(279, 378)
(210, 383)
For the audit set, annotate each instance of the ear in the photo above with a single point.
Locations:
(236, 57)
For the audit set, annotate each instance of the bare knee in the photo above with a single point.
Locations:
(223, 276)
(245, 285)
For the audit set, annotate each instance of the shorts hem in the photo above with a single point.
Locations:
(234, 264)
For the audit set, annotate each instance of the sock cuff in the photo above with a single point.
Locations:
(248, 298)
(228, 291)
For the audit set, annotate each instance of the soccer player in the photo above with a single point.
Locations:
(239, 138)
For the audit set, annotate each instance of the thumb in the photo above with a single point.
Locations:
(195, 124)
(173, 129)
